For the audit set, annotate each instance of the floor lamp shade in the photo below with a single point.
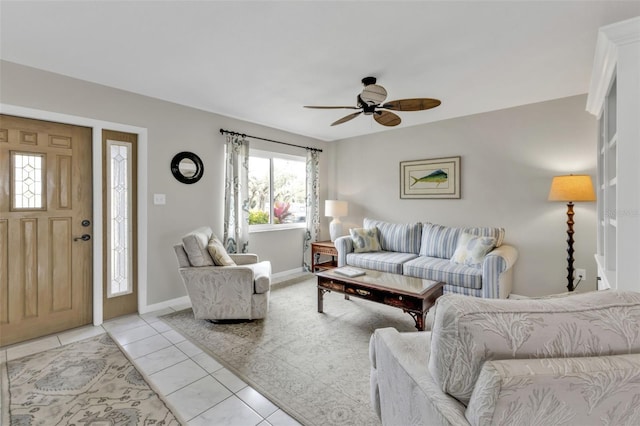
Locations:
(571, 188)
(335, 209)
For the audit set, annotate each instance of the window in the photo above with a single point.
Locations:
(119, 198)
(277, 190)
(28, 185)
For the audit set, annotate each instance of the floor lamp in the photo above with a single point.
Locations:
(571, 188)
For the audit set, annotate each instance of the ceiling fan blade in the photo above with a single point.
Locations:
(415, 104)
(386, 118)
(346, 118)
(331, 107)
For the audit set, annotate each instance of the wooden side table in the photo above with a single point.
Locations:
(326, 248)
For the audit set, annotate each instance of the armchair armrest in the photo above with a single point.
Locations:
(497, 273)
(344, 245)
(235, 275)
(403, 390)
(244, 258)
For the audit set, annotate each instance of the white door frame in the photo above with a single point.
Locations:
(98, 233)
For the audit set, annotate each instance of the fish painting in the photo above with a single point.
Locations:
(437, 176)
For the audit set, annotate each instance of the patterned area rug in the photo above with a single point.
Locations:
(314, 366)
(90, 382)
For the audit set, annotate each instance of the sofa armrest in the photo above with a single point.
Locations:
(244, 258)
(403, 391)
(497, 273)
(344, 246)
(588, 390)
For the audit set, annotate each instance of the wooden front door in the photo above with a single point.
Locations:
(45, 228)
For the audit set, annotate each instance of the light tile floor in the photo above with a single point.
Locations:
(201, 390)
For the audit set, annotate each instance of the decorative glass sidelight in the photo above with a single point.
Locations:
(119, 227)
(28, 186)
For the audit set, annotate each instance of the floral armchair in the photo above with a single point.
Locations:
(222, 286)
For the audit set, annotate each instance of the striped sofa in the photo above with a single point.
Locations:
(424, 250)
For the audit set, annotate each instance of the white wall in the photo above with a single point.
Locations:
(508, 160)
(171, 128)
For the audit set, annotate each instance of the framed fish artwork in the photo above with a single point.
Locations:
(432, 178)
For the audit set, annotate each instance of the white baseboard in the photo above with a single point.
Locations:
(185, 301)
(181, 301)
(285, 274)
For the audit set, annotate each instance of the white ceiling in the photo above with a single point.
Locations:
(261, 61)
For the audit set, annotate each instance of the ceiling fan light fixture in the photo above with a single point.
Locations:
(373, 94)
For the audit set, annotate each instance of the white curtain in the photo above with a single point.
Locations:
(236, 195)
(313, 203)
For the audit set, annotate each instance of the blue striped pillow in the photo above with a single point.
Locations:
(438, 241)
(441, 241)
(398, 237)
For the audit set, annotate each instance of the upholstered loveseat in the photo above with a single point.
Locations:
(221, 285)
(425, 250)
(573, 360)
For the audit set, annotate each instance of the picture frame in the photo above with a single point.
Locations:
(430, 178)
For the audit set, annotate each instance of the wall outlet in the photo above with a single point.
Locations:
(580, 273)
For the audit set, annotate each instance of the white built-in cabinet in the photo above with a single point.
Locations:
(614, 97)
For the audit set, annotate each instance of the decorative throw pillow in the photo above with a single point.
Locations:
(218, 253)
(471, 249)
(364, 239)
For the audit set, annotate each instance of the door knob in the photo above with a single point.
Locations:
(85, 237)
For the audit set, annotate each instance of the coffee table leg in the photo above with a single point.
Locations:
(418, 318)
(420, 322)
(320, 294)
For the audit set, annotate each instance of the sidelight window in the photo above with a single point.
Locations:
(119, 232)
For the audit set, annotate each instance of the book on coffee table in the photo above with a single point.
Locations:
(349, 271)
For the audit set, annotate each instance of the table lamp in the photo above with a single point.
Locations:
(571, 188)
(335, 209)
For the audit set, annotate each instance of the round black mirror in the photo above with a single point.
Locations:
(187, 167)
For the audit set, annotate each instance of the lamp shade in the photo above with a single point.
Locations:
(335, 208)
(572, 188)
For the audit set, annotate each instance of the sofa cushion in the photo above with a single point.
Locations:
(438, 240)
(468, 331)
(218, 253)
(195, 244)
(400, 237)
(441, 241)
(472, 249)
(364, 239)
(385, 261)
(432, 268)
(578, 393)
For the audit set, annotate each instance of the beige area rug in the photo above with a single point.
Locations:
(90, 382)
(314, 366)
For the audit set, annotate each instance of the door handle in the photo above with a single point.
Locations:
(84, 237)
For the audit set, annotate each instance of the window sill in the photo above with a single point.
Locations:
(253, 229)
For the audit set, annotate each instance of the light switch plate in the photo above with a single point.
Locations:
(159, 199)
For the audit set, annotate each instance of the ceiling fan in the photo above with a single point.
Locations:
(369, 102)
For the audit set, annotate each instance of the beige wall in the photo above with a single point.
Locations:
(171, 128)
(508, 160)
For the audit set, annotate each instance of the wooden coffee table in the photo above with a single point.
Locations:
(413, 295)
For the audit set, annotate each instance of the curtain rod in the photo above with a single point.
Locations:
(229, 132)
